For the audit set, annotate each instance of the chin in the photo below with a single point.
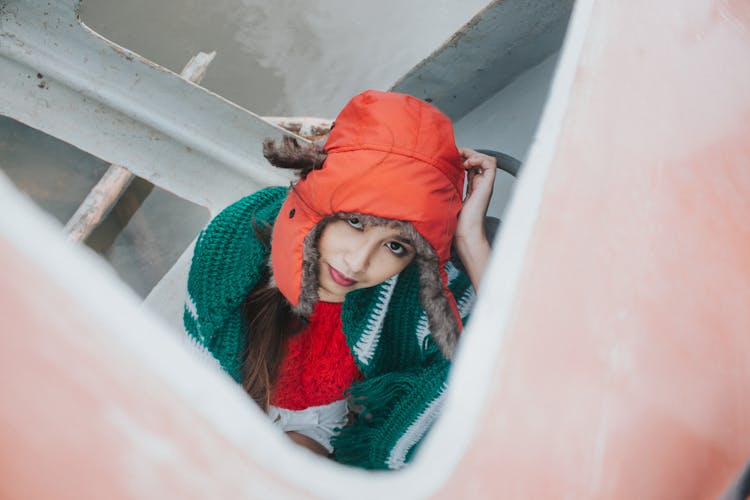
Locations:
(331, 294)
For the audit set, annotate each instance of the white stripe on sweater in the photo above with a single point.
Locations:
(423, 330)
(368, 341)
(202, 353)
(423, 327)
(466, 301)
(451, 271)
(415, 432)
(190, 306)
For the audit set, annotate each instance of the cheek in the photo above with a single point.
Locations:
(323, 248)
(390, 266)
(329, 240)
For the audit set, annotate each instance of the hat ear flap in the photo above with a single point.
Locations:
(437, 300)
(439, 306)
(310, 264)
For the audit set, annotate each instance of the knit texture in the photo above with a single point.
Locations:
(228, 262)
(404, 373)
(318, 366)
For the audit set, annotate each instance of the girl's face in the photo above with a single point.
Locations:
(354, 256)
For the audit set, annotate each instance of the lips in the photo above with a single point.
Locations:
(340, 278)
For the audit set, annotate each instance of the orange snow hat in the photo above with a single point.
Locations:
(390, 156)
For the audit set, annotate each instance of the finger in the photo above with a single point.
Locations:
(472, 161)
(469, 183)
(480, 161)
(470, 157)
(466, 152)
(475, 172)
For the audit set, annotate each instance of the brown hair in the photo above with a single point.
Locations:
(268, 315)
(270, 322)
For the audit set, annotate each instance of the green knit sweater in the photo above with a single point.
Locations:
(385, 327)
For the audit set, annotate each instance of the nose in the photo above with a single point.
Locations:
(357, 259)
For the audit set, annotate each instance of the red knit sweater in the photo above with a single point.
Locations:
(318, 365)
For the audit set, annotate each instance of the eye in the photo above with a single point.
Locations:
(396, 247)
(355, 222)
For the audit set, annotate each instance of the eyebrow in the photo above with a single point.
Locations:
(402, 239)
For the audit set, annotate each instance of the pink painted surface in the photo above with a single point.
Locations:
(79, 419)
(626, 369)
(626, 366)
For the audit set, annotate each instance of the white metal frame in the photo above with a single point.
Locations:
(64, 79)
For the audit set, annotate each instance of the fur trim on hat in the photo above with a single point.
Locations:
(310, 265)
(443, 324)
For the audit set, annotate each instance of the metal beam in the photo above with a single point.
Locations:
(498, 44)
(60, 77)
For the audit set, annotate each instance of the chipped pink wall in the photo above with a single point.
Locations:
(80, 419)
(626, 369)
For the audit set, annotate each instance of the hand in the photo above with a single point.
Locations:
(471, 241)
(481, 171)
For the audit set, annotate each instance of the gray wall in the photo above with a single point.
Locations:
(507, 122)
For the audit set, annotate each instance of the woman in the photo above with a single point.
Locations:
(344, 338)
